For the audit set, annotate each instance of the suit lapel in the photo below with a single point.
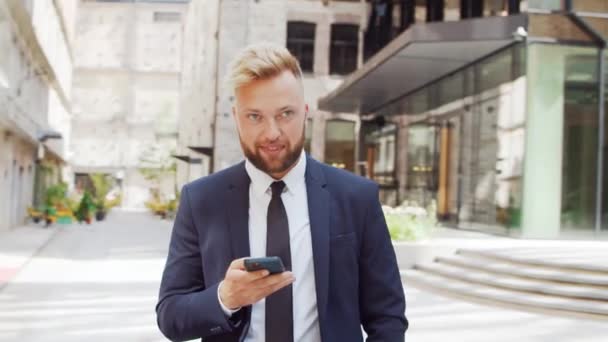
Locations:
(237, 212)
(318, 211)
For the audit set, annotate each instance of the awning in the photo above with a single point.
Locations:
(418, 57)
(187, 159)
(207, 151)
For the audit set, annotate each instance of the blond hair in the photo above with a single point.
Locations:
(258, 62)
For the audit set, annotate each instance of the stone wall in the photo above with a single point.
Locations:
(126, 90)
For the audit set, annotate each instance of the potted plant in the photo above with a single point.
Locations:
(410, 227)
(55, 197)
(35, 215)
(102, 184)
(85, 208)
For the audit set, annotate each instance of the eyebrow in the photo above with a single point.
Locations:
(285, 108)
(253, 110)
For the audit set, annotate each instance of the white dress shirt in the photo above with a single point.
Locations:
(295, 200)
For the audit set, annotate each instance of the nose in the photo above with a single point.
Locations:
(272, 130)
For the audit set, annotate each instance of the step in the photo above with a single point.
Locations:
(531, 272)
(502, 297)
(568, 259)
(515, 283)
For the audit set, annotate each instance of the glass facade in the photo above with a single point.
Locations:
(468, 154)
(340, 144)
(308, 135)
(421, 164)
(562, 141)
(580, 141)
(547, 5)
(604, 190)
(510, 143)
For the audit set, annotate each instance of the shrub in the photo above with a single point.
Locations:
(410, 222)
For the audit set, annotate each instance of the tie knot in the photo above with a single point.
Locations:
(277, 188)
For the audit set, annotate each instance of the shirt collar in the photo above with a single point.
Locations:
(261, 181)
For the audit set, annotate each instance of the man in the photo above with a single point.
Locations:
(325, 224)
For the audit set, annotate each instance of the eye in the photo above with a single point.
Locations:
(254, 117)
(286, 114)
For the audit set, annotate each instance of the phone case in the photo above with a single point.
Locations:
(272, 264)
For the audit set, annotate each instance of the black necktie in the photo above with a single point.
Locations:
(279, 305)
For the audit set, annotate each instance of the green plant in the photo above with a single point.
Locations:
(56, 195)
(113, 202)
(85, 208)
(156, 166)
(410, 222)
(102, 184)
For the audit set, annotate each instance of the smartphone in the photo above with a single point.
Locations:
(273, 264)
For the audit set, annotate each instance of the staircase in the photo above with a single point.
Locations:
(556, 281)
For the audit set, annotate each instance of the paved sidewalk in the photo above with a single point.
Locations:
(18, 246)
(436, 318)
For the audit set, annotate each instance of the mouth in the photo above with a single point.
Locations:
(272, 149)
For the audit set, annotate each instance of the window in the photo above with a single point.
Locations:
(167, 16)
(308, 135)
(344, 48)
(382, 141)
(340, 144)
(301, 43)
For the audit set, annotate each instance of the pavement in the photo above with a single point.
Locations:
(435, 318)
(18, 246)
(100, 283)
(87, 283)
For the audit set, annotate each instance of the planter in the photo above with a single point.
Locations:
(100, 215)
(420, 252)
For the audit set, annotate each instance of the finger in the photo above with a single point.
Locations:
(258, 294)
(272, 280)
(276, 287)
(237, 264)
(245, 277)
(255, 275)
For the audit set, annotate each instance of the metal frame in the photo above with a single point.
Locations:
(601, 134)
(601, 66)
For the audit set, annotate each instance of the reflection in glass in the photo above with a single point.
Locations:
(605, 147)
(308, 135)
(421, 161)
(340, 144)
(580, 139)
(552, 5)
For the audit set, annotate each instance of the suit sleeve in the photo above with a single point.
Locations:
(382, 299)
(187, 308)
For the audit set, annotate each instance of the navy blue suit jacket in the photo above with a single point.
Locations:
(356, 273)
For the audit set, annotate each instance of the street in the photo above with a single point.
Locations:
(100, 283)
(90, 283)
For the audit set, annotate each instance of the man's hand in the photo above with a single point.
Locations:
(241, 288)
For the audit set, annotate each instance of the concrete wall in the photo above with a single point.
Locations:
(126, 86)
(242, 23)
(16, 179)
(198, 86)
(35, 77)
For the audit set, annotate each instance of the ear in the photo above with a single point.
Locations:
(306, 111)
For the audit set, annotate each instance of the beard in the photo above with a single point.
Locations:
(277, 166)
